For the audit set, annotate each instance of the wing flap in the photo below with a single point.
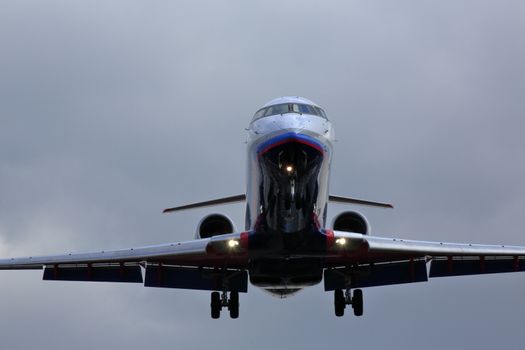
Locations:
(196, 278)
(89, 273)
(373, 275)
(444, 267)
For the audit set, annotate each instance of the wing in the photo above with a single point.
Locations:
(365, 261)
(199, 264)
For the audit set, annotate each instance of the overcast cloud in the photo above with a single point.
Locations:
(112, 110)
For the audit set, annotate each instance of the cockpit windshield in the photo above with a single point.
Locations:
(289, 108)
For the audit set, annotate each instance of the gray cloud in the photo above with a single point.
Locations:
(110, 112)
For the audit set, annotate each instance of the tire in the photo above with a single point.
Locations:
(215, 305)
(234, 305)
(357, 302)
(339, 303)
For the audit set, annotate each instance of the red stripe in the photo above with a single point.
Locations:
(316, 221)
(244, 240)
(330, 238)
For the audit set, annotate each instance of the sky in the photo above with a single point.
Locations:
(111, 111)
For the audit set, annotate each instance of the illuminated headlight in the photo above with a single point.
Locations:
(232, 243)
(289, 168)
(341, 241)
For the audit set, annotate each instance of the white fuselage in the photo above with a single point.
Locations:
(276, 129)
(289, 155)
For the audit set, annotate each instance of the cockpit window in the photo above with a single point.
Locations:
(289, 108)
(277, 109)
(320, 112)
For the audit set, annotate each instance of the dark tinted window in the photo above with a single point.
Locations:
(320, 112)
(277, 109)
(259, 113)
(307, 109)
(289, 108)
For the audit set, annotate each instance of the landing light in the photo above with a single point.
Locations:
(232, 243)
(341, 241)
(289, 168)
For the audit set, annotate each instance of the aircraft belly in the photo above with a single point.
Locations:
(283, 277)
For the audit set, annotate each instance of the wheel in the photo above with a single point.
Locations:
(215, 305)
(233, 305)
(357, 302)
(339, 302)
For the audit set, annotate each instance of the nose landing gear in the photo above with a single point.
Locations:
(218, 301)
(342, 299)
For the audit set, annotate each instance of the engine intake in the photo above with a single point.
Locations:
(351, 221)
(214, 225)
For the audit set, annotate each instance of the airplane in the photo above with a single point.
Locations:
(287, 244)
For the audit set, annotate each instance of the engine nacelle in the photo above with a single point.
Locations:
(214, 225)
(351, 221)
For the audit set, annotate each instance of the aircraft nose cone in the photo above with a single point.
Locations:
(293, 122)
(299, 123)
(290, 122)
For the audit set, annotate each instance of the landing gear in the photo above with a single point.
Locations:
(357, 302)
(339, 303)
(342, 299)
(218, 301)
(233, 305)
(216, 305)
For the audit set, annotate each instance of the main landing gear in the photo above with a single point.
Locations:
(341, 300)
(218, 301)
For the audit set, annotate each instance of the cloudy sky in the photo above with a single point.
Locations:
(112, 110)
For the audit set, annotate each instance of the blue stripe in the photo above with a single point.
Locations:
(289, 135)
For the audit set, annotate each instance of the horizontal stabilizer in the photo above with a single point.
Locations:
(350, 200)
(242, 197)
(232, 199)
(130, 274)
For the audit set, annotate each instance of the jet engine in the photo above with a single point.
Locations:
(351, 221)
(214, 225)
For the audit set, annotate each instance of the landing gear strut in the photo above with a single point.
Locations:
(218, 301)
(342, 299)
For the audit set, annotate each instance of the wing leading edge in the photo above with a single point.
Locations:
(182, 252)
(206, 264)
